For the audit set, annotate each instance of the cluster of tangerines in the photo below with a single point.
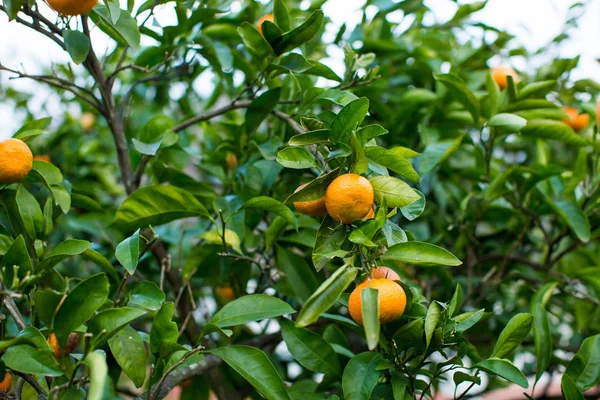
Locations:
(348, 198)
(577, 121)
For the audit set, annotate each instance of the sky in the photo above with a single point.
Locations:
(534, 22)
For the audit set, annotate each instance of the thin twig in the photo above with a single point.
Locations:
(171, 369)
(40, 390)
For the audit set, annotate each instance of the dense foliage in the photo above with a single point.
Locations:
(163, 232)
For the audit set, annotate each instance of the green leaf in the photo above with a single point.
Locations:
(299, 35)
(300, 276)
(512, 335)
(507, 122)
(108, 322)
(296, 158)
(78, 45)
(254, 366)
(46, 303)
(231, 239)
(153, 134)
(553, 130)
(254, 41)
(399, 385)
(271, 205)
(16, 256)
(370, 316)
(102, 262)
(420, 253)
(573, 217)
(157, 205)
(260, 108)
(310, 349)
(30, 212)
(320, 136)
(536, 89)
(584, 367)
(164, 330)
(146, 295)
(504, 369)
(13, 7)
(129, 350)
(80, 305)
(315, 190)
(366, 133)
(462, 93)
(432, 318)
(249, 308)
(456, 301)
(541, 327)
(96, 363)
(326, 295)
(360, 376)
(414, 210)
(395, 192)
(468, 320)
(125, 31)
(348, 119)
(393, 161)
(570, 391)
(437, 153)
(66, 249)
(282, 17)
(128, 252)
(340, 97)
(31, 360)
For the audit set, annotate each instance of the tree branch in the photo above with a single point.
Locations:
(209, 362)
(211, 114)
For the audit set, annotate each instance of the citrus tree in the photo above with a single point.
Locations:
(230, 217)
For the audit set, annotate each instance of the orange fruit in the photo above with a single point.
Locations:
(349, 197)
(44, 158)
(16, 160)
(371, 214)
(6, 383)
(385, 273)
(56, 349)
(72, 7)
(268, 17)
(316, 208)
(576, 121)
(231, 160)
(598, 112)
(225, 293)
(500, 75)
(392, 300)
(87, 121)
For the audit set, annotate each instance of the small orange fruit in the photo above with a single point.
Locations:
(316, 208)
(56, 349)
(268, 17)
(349, 197)
(44, 158)
(385, 273)
(6, 383)
(392, 300)
(598, 112)
(87, 121)
(16, 160)
(576, 121)
(231, 160)
(500, 75)
(225, 293)
(72, 7)
(371, 214)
